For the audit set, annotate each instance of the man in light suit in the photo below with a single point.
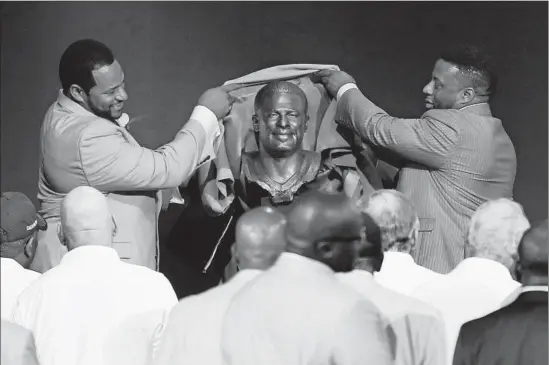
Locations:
(83, 142)
(454, 157)
(193, 332)
(17, 347)
(517, 333)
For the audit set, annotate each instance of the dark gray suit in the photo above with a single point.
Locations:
(514, 335)
(455, 160)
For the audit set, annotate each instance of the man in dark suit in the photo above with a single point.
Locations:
(453, 158)
(517, 333)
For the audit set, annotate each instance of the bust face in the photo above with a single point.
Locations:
(281, 122)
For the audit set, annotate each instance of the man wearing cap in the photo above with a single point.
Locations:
(83, 142)
(297, 312)
(517, 333)
(20, 222)
(418, 326)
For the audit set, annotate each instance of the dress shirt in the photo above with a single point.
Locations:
(400, 273)
(17, 345)
(297, 313)
(95, 309)
(418, 327)
(193, 332)
(15, 278)
(475, 288)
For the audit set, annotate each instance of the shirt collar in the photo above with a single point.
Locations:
(9, 262)
(91, 254)
(397, 259)
(478, 268)
(479, 108)
(78, 109)
(246, 274)
(290, 261)
(527, 288)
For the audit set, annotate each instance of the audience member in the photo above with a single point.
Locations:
(17, 345)
(193, 333)
(517, 333)
(297, 312)
(93, 308)
(398, 222)
(19, 224)
(480, 283)
(418, 326)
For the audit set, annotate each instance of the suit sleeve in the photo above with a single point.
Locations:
(428, 140)
(461, 352)
(110, 162)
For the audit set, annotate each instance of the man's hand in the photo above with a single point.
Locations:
(218, 99)
(332, 80)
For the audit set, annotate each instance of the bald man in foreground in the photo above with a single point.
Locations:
(93, 308)
(193, 332)
(298, 312)
(517, 333)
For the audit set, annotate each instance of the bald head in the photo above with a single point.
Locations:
(86, 218)
(396, 217)
(278, 87)
(259, 238)
(533, 253)
(325, 227)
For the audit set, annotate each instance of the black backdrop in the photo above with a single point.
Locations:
(172, 51)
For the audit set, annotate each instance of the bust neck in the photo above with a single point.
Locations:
(281, 169)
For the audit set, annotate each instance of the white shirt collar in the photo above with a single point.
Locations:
(534, 288)
(91, 254)
(472, 105)
(9, 262)
(399, 259)
(292, 261)
(123, 120)
(481, 269)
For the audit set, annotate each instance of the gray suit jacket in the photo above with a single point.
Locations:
(17, 347)
(79, 148)
(455, 161)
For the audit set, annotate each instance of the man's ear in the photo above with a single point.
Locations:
(29, 246)
(255, 123)
(114, 226)
(324, 249)
(306, 122)
(77, 93)
(467, 95)
(61, 235)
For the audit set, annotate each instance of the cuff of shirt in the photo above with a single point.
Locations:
(207, 120)
(344, 88)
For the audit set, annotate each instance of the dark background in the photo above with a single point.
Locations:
(171, 52)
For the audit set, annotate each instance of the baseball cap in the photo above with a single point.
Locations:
(19, 218)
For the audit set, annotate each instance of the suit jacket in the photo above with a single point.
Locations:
(17, 345)
(455, 161)
(79, 148)
(513, 335)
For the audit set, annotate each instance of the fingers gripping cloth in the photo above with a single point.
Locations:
(217, 178)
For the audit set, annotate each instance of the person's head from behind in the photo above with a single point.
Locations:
(370, 255)
(280, 119)
(325, 227)
(396, 218)
(92, 77)
(259, 238)
(86, 219)
(19, 226)
(495, 231)
(533, 254)
(462, 76)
